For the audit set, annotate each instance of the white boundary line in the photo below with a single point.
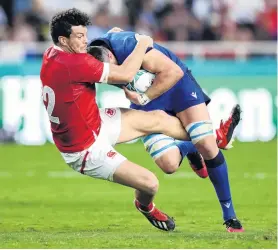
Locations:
(68, 174)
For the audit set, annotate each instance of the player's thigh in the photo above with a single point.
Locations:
(137, 123)
(137, 177)
(194, 114)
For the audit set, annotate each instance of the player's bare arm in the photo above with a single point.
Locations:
(167, 73)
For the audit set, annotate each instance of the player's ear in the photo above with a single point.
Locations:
(110, 55)
(111, 58)
(62, 40)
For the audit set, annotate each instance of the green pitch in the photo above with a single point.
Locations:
(44, 204)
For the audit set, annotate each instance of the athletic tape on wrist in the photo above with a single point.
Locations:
(143, 99)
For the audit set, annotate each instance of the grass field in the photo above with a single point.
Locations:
(44, 204)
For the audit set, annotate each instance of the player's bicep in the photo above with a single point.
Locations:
(156, 62)
(117, 75)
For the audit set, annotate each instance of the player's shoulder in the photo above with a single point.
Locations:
(50, 53)
(69, 59)
(53, 53)
(120, 35)
(113, 38)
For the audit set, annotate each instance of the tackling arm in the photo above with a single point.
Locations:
(85, 68)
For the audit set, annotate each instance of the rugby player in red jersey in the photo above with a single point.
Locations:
(85, 134)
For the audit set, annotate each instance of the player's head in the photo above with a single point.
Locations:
(102, 54)
(68, 30)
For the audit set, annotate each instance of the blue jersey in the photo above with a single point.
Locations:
(184, 94)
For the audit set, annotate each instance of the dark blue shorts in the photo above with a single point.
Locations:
(185, 94)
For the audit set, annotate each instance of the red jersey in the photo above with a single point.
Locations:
(69, 97)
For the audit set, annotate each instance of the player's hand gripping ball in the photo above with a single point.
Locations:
(141, 82)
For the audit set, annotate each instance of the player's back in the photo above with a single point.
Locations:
(123, 43)
(71, 105)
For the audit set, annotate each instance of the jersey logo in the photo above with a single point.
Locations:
(227, 205)
(110, 112)
(111, 154)
(194, 94)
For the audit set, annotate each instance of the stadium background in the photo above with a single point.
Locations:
(230, 46)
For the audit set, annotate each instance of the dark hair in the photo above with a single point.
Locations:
(62, 22)
(99, 52)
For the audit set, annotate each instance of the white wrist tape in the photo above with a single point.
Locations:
(143, 99)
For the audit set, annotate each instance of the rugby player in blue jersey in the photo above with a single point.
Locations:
(185, 100)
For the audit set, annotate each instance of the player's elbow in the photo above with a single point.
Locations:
(177, 72)
(172, 75)
(129, 77)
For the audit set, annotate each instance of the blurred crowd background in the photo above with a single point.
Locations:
(229, 69)
(165, 20)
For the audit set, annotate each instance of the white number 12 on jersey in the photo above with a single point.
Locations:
(51, 103)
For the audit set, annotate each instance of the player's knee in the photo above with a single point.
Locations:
(207, 147)
(154, 187)
(170, 169)
(152, 184)
(162, 115)
(158, 117)
(168, 165)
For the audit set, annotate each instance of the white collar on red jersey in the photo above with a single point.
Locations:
(57, 47)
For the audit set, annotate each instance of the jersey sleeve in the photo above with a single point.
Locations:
(85, 68)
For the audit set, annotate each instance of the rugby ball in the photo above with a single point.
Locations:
(141, 82)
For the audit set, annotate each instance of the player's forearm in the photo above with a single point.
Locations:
(126, 71)
(163, 82)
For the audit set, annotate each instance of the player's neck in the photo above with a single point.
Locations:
(57, 47)
(63, 48)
